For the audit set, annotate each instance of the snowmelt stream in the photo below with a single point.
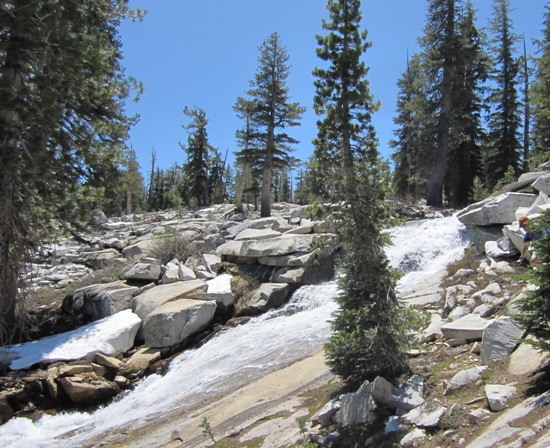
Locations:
(239, 355)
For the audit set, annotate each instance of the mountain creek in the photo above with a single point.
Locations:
(225, 348)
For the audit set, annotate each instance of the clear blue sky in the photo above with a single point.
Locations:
(203, 53)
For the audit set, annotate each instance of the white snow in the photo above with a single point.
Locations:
(111, 335)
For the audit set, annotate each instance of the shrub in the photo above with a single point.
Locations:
(169, 245)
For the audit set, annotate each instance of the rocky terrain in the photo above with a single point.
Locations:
(473, 383)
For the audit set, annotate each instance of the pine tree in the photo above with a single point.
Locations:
(413, 134)
(198, 155)
(535, 308)
(541, 97)
(439, 44)
(466, 133)
(504, 120)
(62, 118)
(269, 114)
(151, 180)
(367, 339)
(133, 183)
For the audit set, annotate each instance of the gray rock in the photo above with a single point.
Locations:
(458, 312)
(526, 359)
(173, 322)
(267, 296)
(469, 327)
(171, 274)
(325, 415)
(505, 428)
(464, 378)
(478, 416)
(382, 391)
(272, 223)
(542, 184)
(413, 438)
(151, 299)
(395, 425)
(484, 310)
(357, 408)
(257, 234)
(273, 247)
(143, 271)
(410, 394)
(498, 395)
(99, 301)
(503, 248)
(495, 210)
(491, 289)
(500, 337)
(427, 415)
(185, 273)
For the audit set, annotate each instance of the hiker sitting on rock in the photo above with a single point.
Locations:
(529, 236)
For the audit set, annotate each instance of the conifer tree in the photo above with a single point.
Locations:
(541, 97)
(503, 144)
(535, 308)
(198, 155)
(439, 44)
(466, 133)
(368, 338)
(62, 119)
(270, 113)
(413, 133)
(133, 183)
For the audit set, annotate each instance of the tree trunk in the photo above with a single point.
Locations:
(128, 202)
(435, 184)
(240, 190)
(9, 261)
(11, 226)
(265, 211)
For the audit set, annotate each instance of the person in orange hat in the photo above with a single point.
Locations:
(529, 236)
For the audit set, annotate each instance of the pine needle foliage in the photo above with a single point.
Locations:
(370, 328)
(535, 308)
(369, 337)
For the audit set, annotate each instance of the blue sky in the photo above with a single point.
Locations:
(203, 53)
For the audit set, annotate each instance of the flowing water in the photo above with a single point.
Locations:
(242, 354)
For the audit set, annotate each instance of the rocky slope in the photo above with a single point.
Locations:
(470, 384)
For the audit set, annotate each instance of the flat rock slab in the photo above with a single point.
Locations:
(504, 429)
(526, 359)
(273, 247)
(469, 327)
(427, 415)
(495, 210)
(257, 234)
(151, 299)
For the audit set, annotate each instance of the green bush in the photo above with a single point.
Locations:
(169, 245)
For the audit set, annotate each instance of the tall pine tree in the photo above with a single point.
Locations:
(367, 340)
(470, 74)
(541, 97)
(412, 137)
(270, 114)
(439, 46)
(198, 155)
(62, 119)
(503, 144)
